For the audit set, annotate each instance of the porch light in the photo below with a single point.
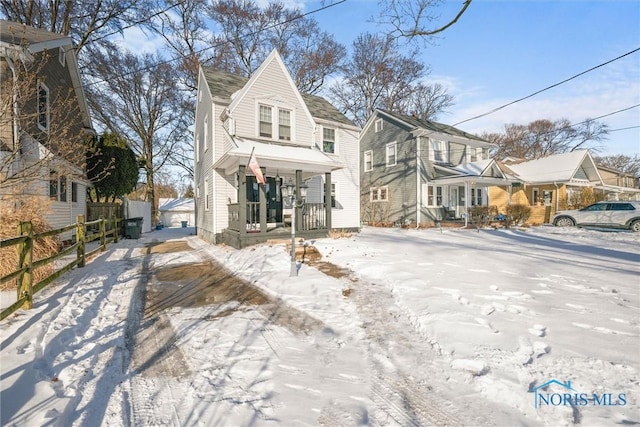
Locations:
(290, 198)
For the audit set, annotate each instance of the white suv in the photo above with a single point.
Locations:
(602, 214)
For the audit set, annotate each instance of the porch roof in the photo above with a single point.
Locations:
(478, 181)
(276, 156)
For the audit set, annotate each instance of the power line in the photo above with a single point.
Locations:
(627, 128)
(548, 87)
(227, 41)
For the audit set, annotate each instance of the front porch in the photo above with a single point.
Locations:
(252, 222)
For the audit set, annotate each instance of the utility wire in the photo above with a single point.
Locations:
(226, 41)
(627, 128)
(548, 87)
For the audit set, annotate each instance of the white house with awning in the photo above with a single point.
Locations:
(295, 138)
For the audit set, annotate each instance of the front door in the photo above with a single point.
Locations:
(274, 200)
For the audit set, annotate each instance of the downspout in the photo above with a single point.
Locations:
(418, 181)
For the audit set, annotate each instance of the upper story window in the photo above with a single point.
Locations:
(275, 122)
(368, 160)
(379, 125)
(392, 152)
(266, 121)
(438, 152)
(284, 125)
(205, 132)
(43, 107)
(62, 57)
(328, 140)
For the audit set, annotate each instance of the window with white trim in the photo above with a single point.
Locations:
(63, 189)
(197, 147)
(438, 152)
(205, 132)
(368, 160)
(62, 58)
(53, 185)
(266, 121)
(284, 125)
(43, 107)
(476, 197)
(328, 140)
(379, 194)
(392, 154)
(74, 192)
(379, 125)
(434, 195)
(206, 194)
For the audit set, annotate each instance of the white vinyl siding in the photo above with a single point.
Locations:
(272, 89)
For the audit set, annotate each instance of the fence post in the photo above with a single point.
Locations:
(80, 239)
(103, 237)
(115, 228)
(25, 256)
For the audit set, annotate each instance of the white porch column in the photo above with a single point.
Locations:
(467, 196)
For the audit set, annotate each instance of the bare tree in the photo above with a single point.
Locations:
(37, 138)
(378, 75)
(542, 138)
(411, 19)
(84, 21)
(621, 162)
(426, 101)
(251, 32)
(137, 98)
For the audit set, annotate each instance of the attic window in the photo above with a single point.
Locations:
(61, 57)
(43, 107)
(379, 124)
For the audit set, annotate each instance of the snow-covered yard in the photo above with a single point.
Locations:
(419, 327)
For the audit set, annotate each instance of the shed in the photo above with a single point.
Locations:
(174, 211)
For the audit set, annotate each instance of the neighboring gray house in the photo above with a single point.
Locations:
(417, 171)
(41, 66)
(294, 138)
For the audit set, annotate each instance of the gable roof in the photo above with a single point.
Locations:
(558, 168)
(21, 41)
(425, 127)
(36, 39)
(223, 85)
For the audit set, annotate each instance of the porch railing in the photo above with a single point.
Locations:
(314, 217)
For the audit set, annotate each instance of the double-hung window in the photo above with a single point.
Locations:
(434, 195)
(392, 152)
(284, 125)
(368, 160)
(266, 121)
(379, 125)
(43, 107)
(329, 140)
(476, 197)
(74, 192)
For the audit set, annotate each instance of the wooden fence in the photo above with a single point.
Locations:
(26, 264)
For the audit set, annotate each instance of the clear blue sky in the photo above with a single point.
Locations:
(500, 51)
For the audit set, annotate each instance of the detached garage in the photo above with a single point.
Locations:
(173, 212)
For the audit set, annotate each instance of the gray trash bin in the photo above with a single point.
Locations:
(133, 228)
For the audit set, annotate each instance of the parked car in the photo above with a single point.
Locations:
(602, 214)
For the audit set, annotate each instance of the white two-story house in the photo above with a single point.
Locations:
(295, 138)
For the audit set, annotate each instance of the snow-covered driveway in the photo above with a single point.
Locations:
(418, 328)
